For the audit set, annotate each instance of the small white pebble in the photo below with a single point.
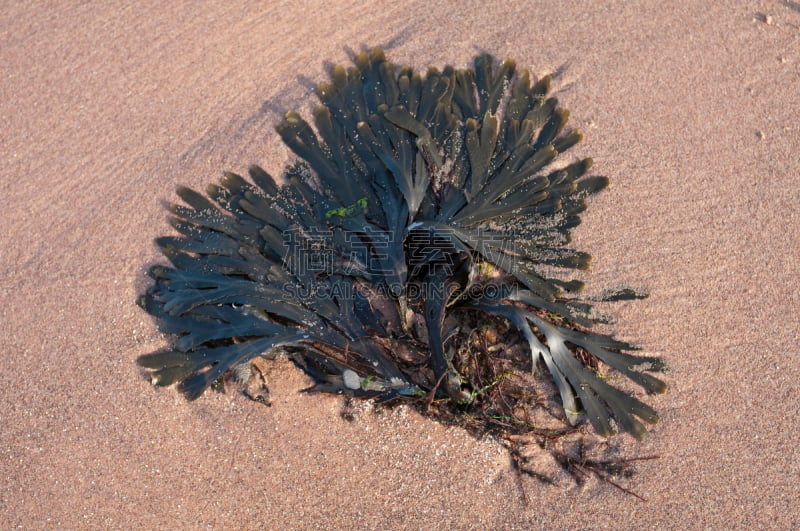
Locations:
(351, 379)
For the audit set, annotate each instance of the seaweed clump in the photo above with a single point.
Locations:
(415, 251)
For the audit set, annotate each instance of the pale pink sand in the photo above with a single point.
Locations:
(691, 108)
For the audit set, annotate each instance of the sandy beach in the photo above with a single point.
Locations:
(691, 108)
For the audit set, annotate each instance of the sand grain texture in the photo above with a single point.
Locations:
(691, 108)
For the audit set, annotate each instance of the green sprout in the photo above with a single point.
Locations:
(348, 211)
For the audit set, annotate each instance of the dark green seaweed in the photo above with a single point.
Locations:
(411, 197)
